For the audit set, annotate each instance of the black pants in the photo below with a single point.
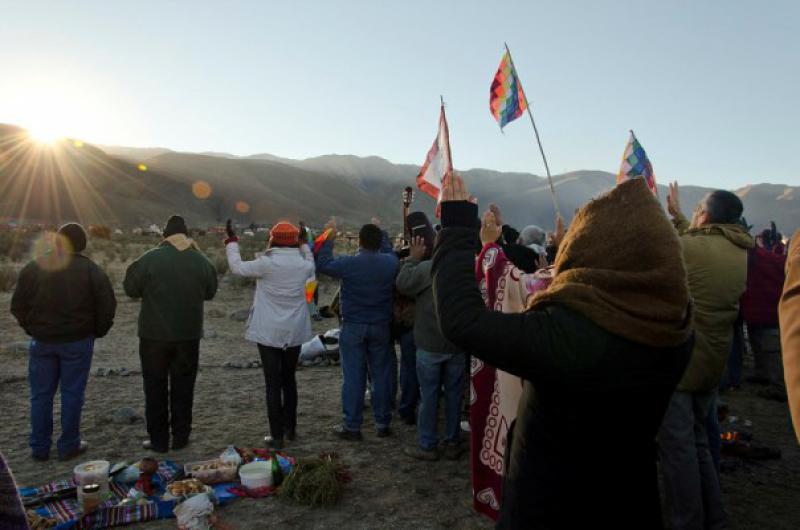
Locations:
(169, 370)
(279, 365)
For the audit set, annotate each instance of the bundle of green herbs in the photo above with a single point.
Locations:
(316, 481)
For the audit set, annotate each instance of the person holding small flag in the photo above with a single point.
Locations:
(367, 282)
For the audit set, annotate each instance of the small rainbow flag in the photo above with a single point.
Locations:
(323, 237)
(506, 99)
(636, 164)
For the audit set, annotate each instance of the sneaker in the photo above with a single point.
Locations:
(150, 446)
(69, 455)
(418, 453)
(465, 426)
(385, 432)
(274, 443)
(344, 434)
(454, 450)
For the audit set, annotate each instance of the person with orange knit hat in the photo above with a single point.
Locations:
(279, 320)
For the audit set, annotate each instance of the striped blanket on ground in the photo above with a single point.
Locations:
(68, 514)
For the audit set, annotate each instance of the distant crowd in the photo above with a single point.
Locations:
(577, 359)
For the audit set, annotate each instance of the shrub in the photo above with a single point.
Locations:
(100, 231)
(8, 277)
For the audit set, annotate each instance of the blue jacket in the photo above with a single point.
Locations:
(367, 282)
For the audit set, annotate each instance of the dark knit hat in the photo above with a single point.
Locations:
(175, 225)
(75, 234)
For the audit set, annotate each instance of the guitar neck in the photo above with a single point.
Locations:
(405, 224)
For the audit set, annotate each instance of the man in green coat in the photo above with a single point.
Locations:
(173, 280)
(715, 252)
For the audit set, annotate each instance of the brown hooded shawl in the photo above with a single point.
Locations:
(621, 266)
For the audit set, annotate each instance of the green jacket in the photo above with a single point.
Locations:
(414, 280)
(716, 266)
(173, 285)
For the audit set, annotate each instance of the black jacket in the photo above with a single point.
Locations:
(64, 305)
(582, 450)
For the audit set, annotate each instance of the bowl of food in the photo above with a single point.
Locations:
(211, 471)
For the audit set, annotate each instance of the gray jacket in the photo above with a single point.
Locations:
(415, 281)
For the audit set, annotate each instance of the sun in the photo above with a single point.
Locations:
(60, 105)
(47, 134)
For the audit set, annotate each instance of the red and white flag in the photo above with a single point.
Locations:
(437, 164)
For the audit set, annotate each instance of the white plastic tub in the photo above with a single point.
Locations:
(256, 475)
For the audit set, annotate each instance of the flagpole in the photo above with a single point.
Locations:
(536, 132)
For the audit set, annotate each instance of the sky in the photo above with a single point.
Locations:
(709, 87)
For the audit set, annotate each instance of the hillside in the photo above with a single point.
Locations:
(104, 185)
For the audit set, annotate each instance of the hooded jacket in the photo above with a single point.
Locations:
(582, 449)
(173, 285)
(716, 267)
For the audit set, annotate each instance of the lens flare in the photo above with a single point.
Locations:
(201, 189)
(52, 251)
(142, 167)
(77, 143)
(242, 207)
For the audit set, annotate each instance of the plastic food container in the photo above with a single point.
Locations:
(211, 471)
(256, 475)
(92, 472)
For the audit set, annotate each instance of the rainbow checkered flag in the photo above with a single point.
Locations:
(636, 164)
(506, 99)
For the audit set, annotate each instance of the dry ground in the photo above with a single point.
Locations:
(388, 490)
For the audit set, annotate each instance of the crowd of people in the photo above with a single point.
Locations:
(598, 350)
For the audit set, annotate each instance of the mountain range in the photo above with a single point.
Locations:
(128, 186)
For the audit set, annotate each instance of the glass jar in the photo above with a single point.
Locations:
(90, 499)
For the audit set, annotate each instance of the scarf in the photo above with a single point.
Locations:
(181, 242)
(621, 266)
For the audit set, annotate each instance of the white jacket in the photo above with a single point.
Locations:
(279, 316)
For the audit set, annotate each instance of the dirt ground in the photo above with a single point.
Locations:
(388, 489)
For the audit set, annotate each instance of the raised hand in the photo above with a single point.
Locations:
(673, 200)
(498, 215)
(417, 249)
(490, 230)
(229, 229)
(454, 189)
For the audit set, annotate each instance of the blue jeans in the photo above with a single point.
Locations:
(409, 386)
(435, 370)
(361, 345)
(49, 365)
